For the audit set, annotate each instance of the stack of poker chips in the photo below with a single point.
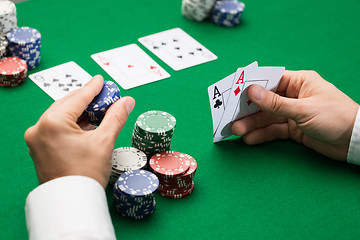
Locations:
(95, 111)
(153, 132)
(8, 19)
(134, 194)
(3, 46)
(175, 172)
(227, 13)
(25, 43)
(197, 10)
(13, 71)
(126, 159)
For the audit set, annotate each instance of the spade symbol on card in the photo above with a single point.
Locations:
(66, 89)
(218, 103)
(67, 75)
(74, 80)
(55, 80)
(47, 84)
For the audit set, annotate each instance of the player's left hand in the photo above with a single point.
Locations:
(61, 143)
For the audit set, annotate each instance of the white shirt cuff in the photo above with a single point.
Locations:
(71, 207)
(354, 147)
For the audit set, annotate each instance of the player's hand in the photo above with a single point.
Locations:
(61, 144)
(305, 108)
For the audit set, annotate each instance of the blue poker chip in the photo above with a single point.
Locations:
(24, 36)
(227, 13)
(95, 111)
(138, 182)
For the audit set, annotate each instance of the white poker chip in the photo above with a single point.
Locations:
(128, 158)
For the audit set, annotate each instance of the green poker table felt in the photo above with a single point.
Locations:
(276, 190)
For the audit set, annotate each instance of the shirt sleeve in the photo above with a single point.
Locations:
(71, 207)
(354, 147)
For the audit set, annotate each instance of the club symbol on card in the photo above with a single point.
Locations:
(55, 80)
(66, 89)
(155, 47)
(175, 40)
(199, 49)
(69, 84)
(191, 53)
(79, 85)
(177, 48)
(218, 103)
(61, 85)
(47, 84)
(67, 75)
(74, 80)
(163, 43)
(179, 56)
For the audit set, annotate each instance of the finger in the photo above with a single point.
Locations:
(252, 122)
(273, 103)
(266, 134)
(76, 102)
(115, 118)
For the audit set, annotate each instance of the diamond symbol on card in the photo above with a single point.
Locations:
(237, 91)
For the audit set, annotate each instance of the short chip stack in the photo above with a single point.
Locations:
(13, 71)
(227, 13)
(153, 132)
(126, 159)
(95, 111)
(175, 172)
(25, 43)
(134, 194)
(8, 20)
(197, 10)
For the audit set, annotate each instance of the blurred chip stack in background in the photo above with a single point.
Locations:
(17, 46)
(225, 13)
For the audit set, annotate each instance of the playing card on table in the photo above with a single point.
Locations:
(60, 80)
(177, 49)
(130, 66)
(238, 104)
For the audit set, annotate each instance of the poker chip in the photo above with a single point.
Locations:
(175, 172)
(197, 10)
(3, 46)
(126, 159)
(134, 194)
(95, 111)
(8, 20)
(153, 132)
(227, 13)
(13, 72)
(25, 43)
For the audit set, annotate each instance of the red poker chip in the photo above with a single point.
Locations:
(12, 66)
(178, 195)
(169, 163)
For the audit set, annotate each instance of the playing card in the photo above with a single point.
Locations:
(130, 66)
(238, 102)
(177, 49)
(60, 80)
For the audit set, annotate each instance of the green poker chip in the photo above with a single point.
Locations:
(156, 123)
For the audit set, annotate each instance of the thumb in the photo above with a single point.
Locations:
(273, 103)
(115, 117)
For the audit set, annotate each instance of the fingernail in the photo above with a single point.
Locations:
(129, 105)
(258, 92)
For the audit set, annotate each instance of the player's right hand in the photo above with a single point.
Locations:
(305, 108)
(62, 144)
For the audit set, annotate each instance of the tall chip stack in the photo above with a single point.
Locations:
(175, 172)
(126, 159)
(8, 20)
(197, 10)
(134, 194)
(25, 43)
(153, 131)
